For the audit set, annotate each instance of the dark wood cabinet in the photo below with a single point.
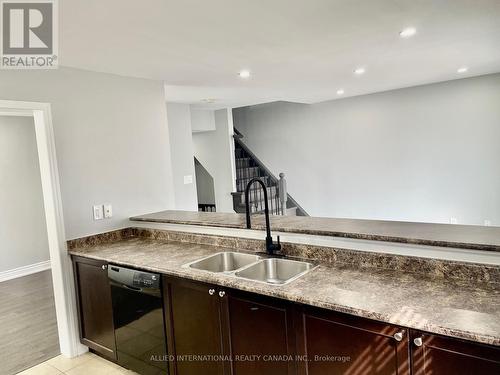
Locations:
(214, 330)
(438, 355)
(193, 316)
(261, 335)
(94, 306)
(333, 343)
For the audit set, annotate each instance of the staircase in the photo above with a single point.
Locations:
(249, 166)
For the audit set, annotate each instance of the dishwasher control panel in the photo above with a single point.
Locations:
(133, 278)
(146, 280)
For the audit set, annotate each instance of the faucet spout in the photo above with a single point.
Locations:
(270, 246)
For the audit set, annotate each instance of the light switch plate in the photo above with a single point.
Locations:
(97, 210)
(188, 179)
(108, 210)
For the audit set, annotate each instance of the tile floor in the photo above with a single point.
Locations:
(86, 364)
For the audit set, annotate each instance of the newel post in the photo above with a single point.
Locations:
(283, 195)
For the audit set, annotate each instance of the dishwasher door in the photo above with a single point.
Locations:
(139, 320)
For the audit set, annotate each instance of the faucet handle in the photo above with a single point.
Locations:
(278, 245)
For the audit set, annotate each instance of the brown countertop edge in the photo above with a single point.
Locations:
(444, 235)
(167, 257)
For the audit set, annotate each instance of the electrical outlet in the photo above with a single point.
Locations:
(188, 179)
(487, 223)
(453, 220)
(97, 210)
(108, 210)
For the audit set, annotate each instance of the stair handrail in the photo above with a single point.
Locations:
(237, 136)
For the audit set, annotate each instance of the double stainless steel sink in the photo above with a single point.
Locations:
(225, 262)
(274, 271)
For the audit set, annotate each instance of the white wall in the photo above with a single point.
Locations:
(425, 153)
(23, 232)
(202, 120)
(112, 142)
(179, 128)
(215, 150)
(204, 184)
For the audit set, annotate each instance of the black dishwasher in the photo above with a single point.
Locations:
(139, 321)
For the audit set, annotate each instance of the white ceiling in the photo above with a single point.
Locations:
(297, 50)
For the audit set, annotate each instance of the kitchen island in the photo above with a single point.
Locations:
(421, 315)
(458, 236)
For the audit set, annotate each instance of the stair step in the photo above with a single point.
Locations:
(270, 189)
(239, 197)
(247, 168)
(241, 183)
(247, 172)
(243, 162)
(259, 205)
(239, 152)
(253, 210)
(292, 211)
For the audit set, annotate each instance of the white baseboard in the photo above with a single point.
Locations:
(24, 270)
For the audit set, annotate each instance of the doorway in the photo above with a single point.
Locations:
(28, 323)
(61, 273)
(204, 188)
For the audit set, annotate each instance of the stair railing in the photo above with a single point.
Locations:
(256, 193)
(257, 197)
(279, 201)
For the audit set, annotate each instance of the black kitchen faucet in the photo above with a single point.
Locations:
(270, 246)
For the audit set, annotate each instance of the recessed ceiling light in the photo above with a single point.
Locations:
(244, 74)
(340, 92)
(463, 69)
(408, 32)
(359, 71)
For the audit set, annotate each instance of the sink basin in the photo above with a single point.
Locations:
(275, 271)
(225, 262)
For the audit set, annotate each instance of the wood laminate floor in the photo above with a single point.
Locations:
(28, 327)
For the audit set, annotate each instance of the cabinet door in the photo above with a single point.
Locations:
(94, 306)
(261, 335)
(438, 355)
(333, 343)
(193, 321)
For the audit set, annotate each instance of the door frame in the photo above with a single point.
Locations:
(62, 270)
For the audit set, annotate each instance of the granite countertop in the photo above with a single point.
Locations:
(447, 235)
(449, 307)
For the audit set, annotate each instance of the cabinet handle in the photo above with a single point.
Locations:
(222, 293)
(211, 292)
(398, 336)
(418, 341)
(104, 267)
